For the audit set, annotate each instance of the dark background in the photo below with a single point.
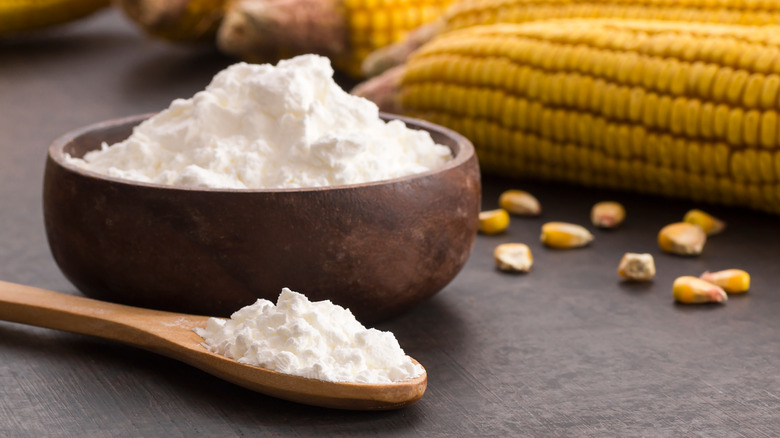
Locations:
(566, 350)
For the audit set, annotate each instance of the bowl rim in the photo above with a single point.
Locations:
(465, 152)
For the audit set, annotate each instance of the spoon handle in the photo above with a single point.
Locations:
(166, 333)
(55, 310)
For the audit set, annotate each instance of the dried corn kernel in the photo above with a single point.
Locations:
(691, 290)
(520, 202)
(711, 225)
(565, 235)
(682, 238)
(733, 281)
(493, 221)
(607, 214)
(637, 267)
(513, 257)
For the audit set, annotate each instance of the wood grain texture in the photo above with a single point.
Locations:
(566, 350)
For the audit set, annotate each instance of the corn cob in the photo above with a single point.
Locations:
(176, 20)
(344, 30)
(467, 13)
(23, 15)
(676, 109)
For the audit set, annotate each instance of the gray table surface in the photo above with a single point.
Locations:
(566, 350)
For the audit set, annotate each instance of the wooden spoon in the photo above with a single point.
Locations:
(170, 334)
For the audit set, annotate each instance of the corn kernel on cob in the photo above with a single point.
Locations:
(564, 235)
(675, 109)
(24, 15)
(513, 257)
(733, 281)
(344, 30)
(176, 20)
(691, 290)
(467, 13)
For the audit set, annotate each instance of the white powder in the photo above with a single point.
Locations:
(319, 340)
(264, 126)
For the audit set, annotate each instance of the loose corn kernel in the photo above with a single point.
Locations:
(710, 224)
(682, 238)
(520, 202)
(513, 257)
(607, 214)
(493, 221)
(637, 267)
(565, 235)
(692, 290)
(733, 281)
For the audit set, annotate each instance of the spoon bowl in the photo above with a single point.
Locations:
(171, 334)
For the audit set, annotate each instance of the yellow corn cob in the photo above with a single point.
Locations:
(467, 13)
(677, 109)
(344, 30)
(176, 20)
(23, 15)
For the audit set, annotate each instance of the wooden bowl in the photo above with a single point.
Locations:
(376, 248)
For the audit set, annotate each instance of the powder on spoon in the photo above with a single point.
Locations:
(318, 340)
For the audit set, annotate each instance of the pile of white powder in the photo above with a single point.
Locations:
(318, 340)
(265, 126)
